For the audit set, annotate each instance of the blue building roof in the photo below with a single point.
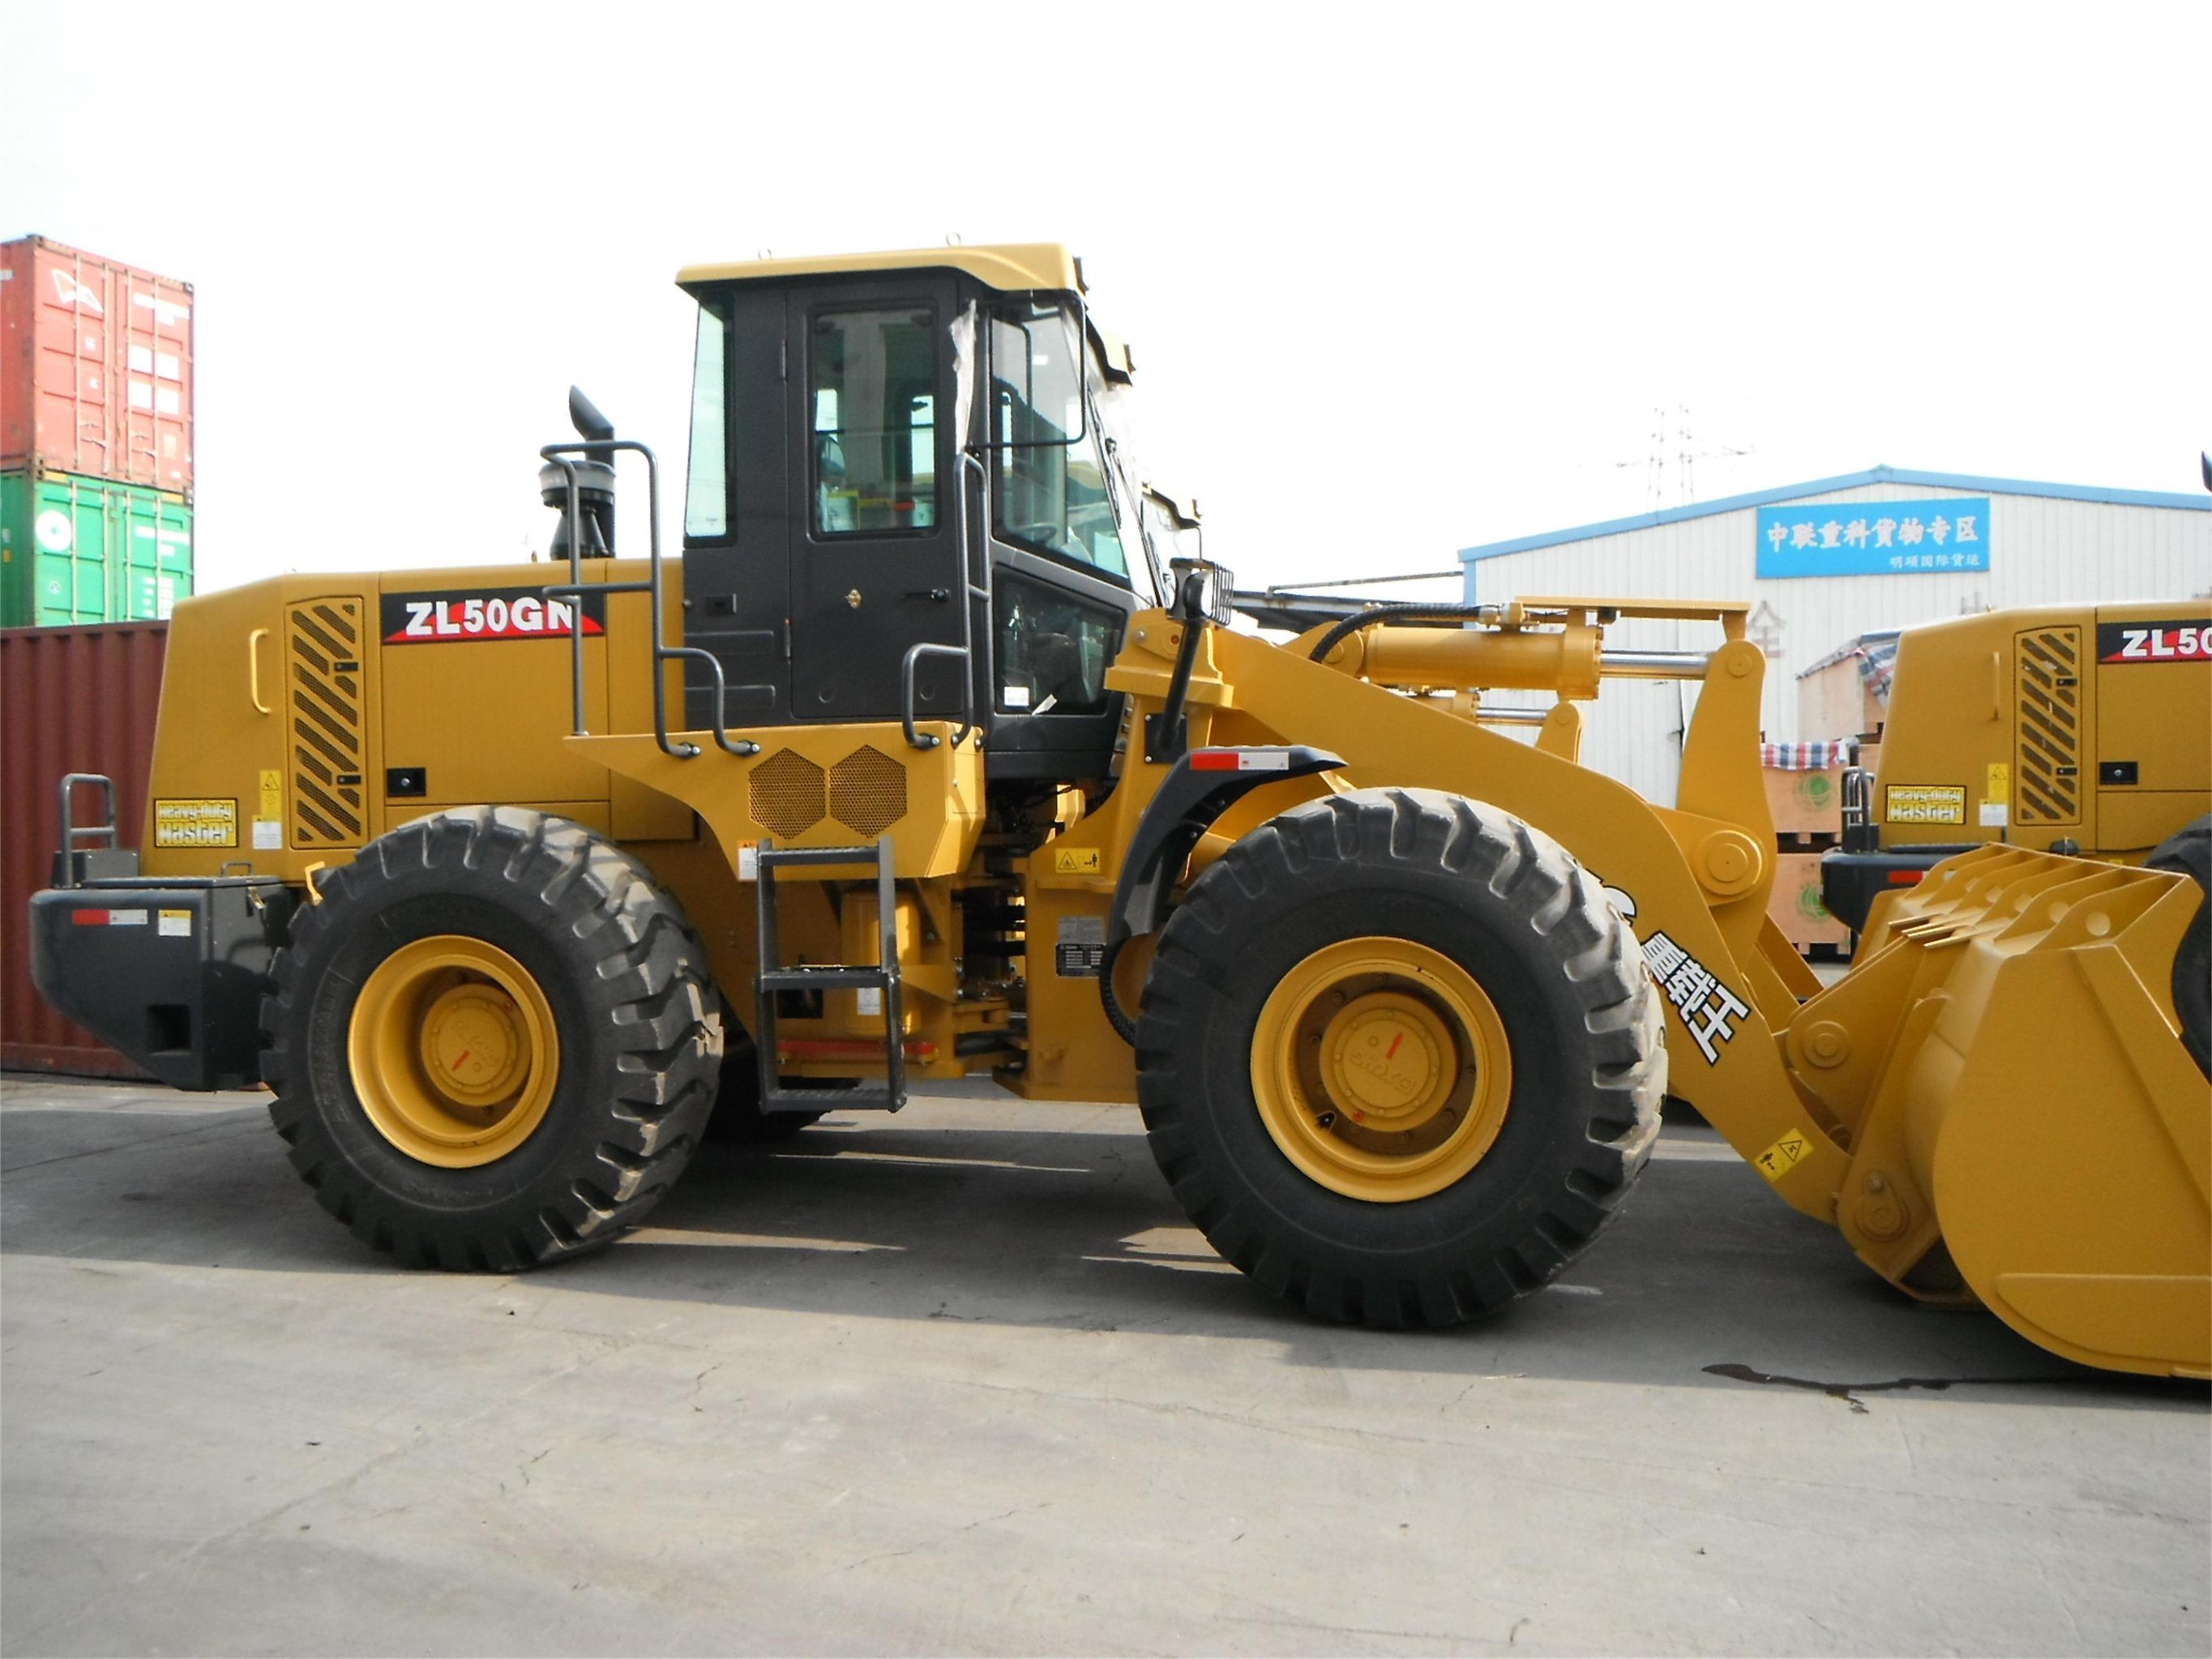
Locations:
(1823, 486)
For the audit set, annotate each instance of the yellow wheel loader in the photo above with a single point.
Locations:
(934, 751)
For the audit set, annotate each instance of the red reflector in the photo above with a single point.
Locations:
(88, 918)
(1905, 877)
(1213, 760)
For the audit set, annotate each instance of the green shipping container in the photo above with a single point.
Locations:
(85, 550)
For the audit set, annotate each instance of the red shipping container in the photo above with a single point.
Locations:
(95, 368)
(75, 700)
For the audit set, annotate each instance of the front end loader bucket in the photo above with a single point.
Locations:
(2023, 1120)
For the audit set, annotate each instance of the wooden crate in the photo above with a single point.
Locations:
(1833, 702)
(1796, 909)
(1807, 806)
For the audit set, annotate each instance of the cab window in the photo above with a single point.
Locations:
(873, 386)
(1053, 648)
(707, 488)
(1049, 490)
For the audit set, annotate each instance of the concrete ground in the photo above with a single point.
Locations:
(965, 1381)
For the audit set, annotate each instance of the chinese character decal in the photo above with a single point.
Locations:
(1709, 1009)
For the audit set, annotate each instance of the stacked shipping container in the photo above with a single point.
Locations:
(77, 699)
(95, 438)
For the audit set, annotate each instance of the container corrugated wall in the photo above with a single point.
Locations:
(75, 700)
(2043, 551)
(95, 368)
(87, 551)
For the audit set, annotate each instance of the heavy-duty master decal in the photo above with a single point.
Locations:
(1709, 1009)
(488, 613)
(2185, 639)
(1924, 803)
(195, 824)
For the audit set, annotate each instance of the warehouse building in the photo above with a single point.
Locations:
(1830, 562)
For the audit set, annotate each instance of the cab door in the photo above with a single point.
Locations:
(874, 523)
(737, 517)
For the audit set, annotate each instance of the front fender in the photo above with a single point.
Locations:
(1197, 789)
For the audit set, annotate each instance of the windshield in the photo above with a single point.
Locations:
(1112, 403)
(1053, 489)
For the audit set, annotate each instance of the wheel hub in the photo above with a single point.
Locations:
(1385, 1058)
(1381, 1069)
(453, 1051)
(474, 1046)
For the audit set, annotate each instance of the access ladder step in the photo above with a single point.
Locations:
(815, 975)
(890, 1094)
(777, 857)
(860, 1097)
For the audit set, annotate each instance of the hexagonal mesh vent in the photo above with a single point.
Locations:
(787, 793)
(867, 791)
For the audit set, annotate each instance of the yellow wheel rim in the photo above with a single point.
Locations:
(453, 1051)
(1381, 1069)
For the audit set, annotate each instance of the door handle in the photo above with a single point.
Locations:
(253, 668)
(939, 594)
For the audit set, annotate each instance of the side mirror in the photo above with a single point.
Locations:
(584, 415)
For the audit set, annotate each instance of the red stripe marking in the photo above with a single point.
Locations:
(1213, 760)
(847, 1048)
(88, 918)
(1905, 877)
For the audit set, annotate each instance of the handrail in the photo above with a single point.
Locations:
(915, 654)
(253, 669)
(71, 831)
(577, 588)
(965, 651)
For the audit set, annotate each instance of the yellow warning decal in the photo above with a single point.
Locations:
(176, 924)
(1076, 862)
(195, 823)
(1783, 1156)
(272, 794)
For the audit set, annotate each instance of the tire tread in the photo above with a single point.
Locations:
(630, 936)
(1602, 969)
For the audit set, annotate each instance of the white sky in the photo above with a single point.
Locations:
(1398, 280)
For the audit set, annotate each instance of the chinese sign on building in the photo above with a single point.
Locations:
(1875, 538)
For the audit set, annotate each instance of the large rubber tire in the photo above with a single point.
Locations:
(1530, 927)
(626, 983)
(2189, 852)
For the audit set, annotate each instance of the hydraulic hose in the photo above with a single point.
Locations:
(1116, 1016)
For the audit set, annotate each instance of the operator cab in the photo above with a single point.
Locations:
(904, 502)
